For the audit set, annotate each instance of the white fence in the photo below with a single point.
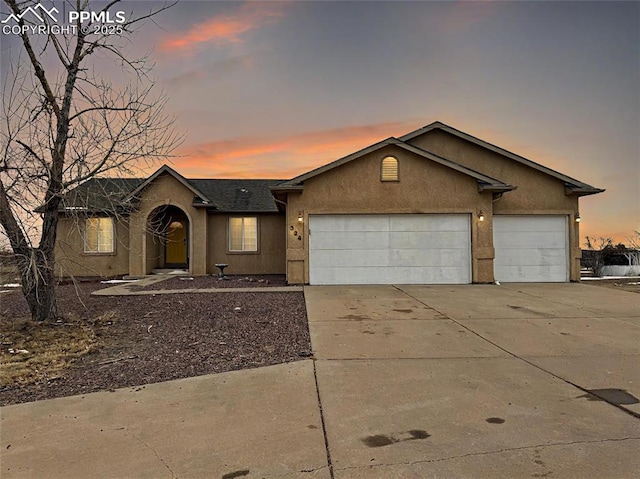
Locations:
(615, 270)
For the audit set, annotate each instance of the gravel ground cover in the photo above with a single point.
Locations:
(145, 339)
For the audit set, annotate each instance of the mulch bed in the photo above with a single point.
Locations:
(207, 282)
(156, 338)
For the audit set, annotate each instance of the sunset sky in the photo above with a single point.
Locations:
(273, 89)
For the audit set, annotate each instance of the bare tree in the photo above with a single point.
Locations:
(633, 254)
(596, 251)
(65, 124)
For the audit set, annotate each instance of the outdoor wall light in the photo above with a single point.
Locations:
(300, 217)
(481, 216)
(577, 217)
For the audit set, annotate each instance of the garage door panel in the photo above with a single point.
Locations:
(388, 249)
(531, 223)
(341, 223)
(429, 223)
(350, 275)
(441, 275)
(391, 275)
(331, 240)
(369, 257)
(535, 239)
(531, 248)
(428, 240)
(546, 257)
(534, 273)
(436, 257)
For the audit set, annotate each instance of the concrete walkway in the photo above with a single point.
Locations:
(408, 382)
(253, 423)
(132, 288)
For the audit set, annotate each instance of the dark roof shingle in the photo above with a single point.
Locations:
(99, 194)
(103, 195)
(238, 195)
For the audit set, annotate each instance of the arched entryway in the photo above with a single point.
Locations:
(167, 238)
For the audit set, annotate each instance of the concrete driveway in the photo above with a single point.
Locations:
(478, 381)
(407, 382)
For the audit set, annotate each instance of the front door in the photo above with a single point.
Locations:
(176, 251)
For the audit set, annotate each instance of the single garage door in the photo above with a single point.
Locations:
(531, 248)
(388, 249)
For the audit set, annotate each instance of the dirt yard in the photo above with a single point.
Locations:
(103, 343)
(631, 284)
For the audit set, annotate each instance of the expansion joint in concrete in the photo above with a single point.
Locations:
(324, 427)
(155, 453)
(530, 363)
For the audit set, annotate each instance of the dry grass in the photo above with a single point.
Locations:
(34, 352)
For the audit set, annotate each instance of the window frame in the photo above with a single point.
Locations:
(97, 251)
(243, 251)
(397, 167)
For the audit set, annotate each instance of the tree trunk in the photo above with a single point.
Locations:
(36, 274)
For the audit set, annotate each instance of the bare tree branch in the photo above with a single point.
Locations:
(62, 127)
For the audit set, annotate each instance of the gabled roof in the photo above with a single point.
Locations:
(572, 185)
(166, 169)
(484, 182)
(109, 195)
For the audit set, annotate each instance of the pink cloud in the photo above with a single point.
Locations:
(228, 28)
(283, 157)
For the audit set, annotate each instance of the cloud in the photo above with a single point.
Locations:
(214, 70)
(463, 15)
(227, 28)
(283, 157)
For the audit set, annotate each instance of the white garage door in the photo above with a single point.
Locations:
(531, 248)
(388, 249)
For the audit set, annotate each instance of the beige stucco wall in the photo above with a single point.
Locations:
(154, 253)
(355, 188)
(536, 193)
(71, 260)
(270, 258)
(166, 190)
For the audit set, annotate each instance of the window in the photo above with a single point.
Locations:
(389, 169)
(98, 235)
(243, 234)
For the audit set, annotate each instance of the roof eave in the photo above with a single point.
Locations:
(497, 188)
(286, 188)
(334, 164)
(479, 177)
(165, 169)
(242, 212)
(580, 191)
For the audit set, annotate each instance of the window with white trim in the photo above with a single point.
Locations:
(243, 234)
(99, 235)
(389, 169)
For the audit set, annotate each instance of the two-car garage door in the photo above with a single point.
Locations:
(388, 249)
